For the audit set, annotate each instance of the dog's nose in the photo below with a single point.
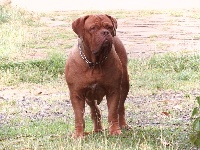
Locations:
(105, 32)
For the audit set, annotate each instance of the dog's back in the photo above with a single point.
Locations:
(120, 50)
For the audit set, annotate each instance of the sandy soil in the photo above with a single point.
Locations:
(144, 36)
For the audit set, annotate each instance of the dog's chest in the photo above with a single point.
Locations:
(95, 92)
(94, 77)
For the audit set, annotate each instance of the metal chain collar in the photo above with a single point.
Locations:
(91, 64)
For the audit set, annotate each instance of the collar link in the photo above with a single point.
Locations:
(91, 64)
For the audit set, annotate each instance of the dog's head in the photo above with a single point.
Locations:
(96, 31)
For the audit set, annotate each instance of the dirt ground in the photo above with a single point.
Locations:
(159, 33)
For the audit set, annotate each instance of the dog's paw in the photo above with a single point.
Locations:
(98, 130)
(116, 132)
(126, 127)
(78, 135)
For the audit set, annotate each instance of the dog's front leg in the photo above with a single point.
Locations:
(113, 116)
(79, 109)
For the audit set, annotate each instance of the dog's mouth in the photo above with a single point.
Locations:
(105, 46)
(106, 43)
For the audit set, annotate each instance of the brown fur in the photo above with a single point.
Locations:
(105, 76)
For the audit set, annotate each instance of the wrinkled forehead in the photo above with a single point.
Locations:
(97, 20)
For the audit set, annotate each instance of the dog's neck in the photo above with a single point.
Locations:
(90, 58)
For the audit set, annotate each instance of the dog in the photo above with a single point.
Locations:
(97, 67)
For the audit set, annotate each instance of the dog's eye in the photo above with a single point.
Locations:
(92, 28)
(109, 27)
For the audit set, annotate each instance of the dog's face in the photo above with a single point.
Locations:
(97, 32)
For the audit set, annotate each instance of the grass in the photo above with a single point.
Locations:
(162, 72)
(14, 26)
(49, 135)
(153, 37)
(23, 35)
(33, 71)
(177, 13)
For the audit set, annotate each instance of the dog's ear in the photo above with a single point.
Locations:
(114, 22)
(78, 25)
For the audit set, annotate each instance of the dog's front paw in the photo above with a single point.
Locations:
(126, 127)
(77, 135)
(116, 132)
(98, 130)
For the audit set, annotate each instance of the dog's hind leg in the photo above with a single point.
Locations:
(124, 92)
(95, 115)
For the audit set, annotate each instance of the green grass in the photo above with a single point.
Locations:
(162, 72)
(57, 135)
(33, 71)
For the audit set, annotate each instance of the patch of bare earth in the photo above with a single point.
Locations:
(161, 33)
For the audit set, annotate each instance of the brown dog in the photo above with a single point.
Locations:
(97, 67)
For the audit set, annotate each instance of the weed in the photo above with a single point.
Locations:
(153, 37)
(176, 13)
(196, 37)
(145, 13)
(162, 46)
(195, 15)
(195, 135)
(4, 15)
